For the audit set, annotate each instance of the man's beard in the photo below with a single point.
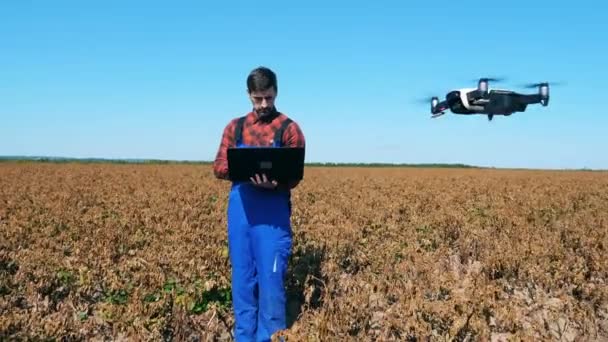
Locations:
(265, 112)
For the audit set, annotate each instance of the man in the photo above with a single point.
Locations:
(259, 215)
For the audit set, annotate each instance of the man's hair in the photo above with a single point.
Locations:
(261, 79)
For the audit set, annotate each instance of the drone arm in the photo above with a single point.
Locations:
(476, 94)
(530, 99)
(440, 107)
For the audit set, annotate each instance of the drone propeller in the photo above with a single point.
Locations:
(490, 79)
(424, 100)
(536, 85)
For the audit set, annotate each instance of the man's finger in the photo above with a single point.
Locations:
(264, 178)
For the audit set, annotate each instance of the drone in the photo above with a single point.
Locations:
(490, 102)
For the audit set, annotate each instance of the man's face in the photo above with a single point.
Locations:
(263, 101)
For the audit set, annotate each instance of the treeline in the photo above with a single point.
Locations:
(96, 160)
(161, 161)
(427, 165)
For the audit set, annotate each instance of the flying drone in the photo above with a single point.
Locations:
(490, 102)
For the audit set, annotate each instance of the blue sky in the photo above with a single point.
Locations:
(144, 79)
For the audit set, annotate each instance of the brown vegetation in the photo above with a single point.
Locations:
(96, 251)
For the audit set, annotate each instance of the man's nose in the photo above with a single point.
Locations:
(264, 103)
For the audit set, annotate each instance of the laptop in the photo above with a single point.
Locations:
(282, 164)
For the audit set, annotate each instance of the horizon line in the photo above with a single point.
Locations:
(57, 159)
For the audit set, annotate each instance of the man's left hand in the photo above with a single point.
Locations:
(263, 182)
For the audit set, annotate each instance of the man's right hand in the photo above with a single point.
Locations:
(263, 182)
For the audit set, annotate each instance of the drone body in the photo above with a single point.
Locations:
(490, 102)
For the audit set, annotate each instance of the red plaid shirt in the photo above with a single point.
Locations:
(256, 132)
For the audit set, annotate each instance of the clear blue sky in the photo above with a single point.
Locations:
(145, 79)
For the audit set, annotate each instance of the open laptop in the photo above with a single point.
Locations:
(282, 164)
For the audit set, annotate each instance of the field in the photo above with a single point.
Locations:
(139, 252)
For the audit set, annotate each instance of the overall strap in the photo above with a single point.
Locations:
(278, 135)
(238, 130)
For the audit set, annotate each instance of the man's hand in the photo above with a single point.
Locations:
(263, 182)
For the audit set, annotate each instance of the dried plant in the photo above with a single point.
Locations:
(139, 252)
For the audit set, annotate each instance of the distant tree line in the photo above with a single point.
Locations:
(161, 161)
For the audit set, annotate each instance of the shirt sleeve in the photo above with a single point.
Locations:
(220, 165)
(294, 137)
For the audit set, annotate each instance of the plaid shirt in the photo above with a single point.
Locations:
(256, 132)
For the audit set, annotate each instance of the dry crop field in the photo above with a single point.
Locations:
(138, 252)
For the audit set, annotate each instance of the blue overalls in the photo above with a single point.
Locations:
(259, 243)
